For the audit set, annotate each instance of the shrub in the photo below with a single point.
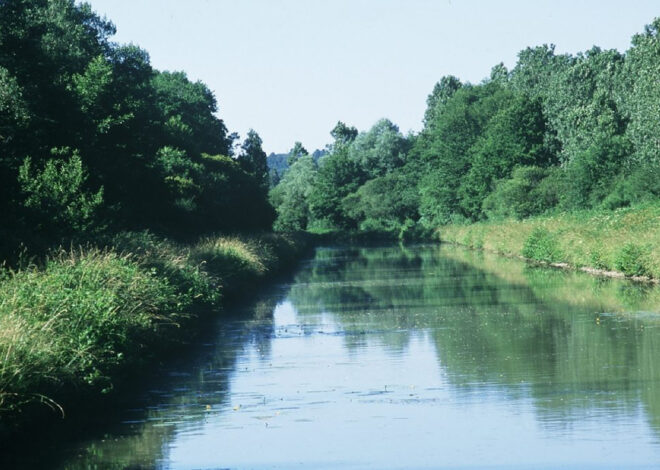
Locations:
(642, 184)
(597, 260)
(541, 245)
(631, 260)
(530, 191)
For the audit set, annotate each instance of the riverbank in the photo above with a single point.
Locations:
(620, 243)
(79, 325)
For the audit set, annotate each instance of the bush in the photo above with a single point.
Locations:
(642, 184)
(631, 260)
(541, 245)
(530, 191)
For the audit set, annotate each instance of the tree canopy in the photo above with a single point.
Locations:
(557, 132)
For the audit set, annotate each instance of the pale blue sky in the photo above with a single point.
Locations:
(291, 69)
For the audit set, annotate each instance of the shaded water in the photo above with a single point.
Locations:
(422, 357)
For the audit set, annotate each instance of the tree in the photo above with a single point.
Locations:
(513, 136)
(55, 198)
(295, 153)
(188, 110)
(529, 191)
(253, 159)
(445, 150)
(337, 177)
(291, 197)
(442, 92)
(499, 74)
(642, 94)
(535, 68)
(384, 203)
(343, 134)
(379, 150)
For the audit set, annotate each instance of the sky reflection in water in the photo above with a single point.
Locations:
(421, 357)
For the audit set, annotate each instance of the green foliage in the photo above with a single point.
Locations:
(188, 111)
(337, 177)
(535, 68)
(642, 93)
(174, 162)
(77, 322)
(541, 245)
(437, 100)
(195, 284)
(386, 203)
(530, 191)
(77, 325)
(295, 153)
(138, 132)
(253, 159)
(632, 260)
(343, 134)
(13, 109)
(230, 260)
(445, 146)
(56, 196)
(379, 150)
(513, 136)
(291, 197)
(593, 172)
(232, 197)
(642, 184)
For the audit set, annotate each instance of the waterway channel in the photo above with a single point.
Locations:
(402, 358)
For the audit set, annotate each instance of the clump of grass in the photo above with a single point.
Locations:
(231, 260)
(597, 259)
(631, 260)
(541, 245)
(173, 261)
(83, 318)
(77, 322)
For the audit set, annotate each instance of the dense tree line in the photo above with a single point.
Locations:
(557, 132)
(93, 137)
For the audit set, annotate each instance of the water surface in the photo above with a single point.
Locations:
(403, 358)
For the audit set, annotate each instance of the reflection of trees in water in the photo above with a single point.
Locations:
(531, 332)
(495, 323)
(190, 389)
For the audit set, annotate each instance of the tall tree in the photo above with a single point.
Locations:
(295, 153)
(253, 159)
(442, 92)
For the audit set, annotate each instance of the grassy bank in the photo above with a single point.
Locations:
(624, 241)
(82, 321)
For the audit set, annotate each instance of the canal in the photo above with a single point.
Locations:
(402, 358)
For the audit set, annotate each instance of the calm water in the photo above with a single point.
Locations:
(421, 357)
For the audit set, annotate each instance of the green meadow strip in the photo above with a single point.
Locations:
(624, 241)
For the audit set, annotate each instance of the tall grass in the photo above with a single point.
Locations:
(83, 318)
(77, 321)
(624, 240)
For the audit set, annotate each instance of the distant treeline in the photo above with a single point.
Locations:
(556, 133)
(93, 138)
(278, 163)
